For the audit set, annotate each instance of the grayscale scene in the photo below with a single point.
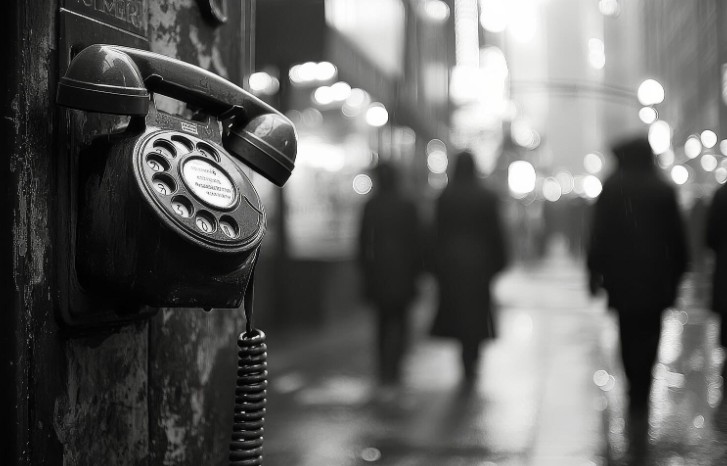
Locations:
(363, 232)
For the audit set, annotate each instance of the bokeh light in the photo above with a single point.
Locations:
(720, 174)
(263, 83)
(494, 15)
(371, 454)
(323, 95)
(648, 115)
(551, 189)
(357, 100)
(362, 184)
(692, 147)
(437, 161)
(660, 136)
(565, 179)
(312, 72)
(341, 91)
(708, 138)
(376, 115)
(592, 186)
(524, 135)
(437, 181)
(593, 163)
(325, 71)
(307, 71)
(679, 174)
(436, 10)
(596, 53)
(666, 159)
(650, 92)
(601, 377)
(609, 7)
(521, 177)
(708, 162)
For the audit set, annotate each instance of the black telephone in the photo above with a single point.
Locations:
(168, 217)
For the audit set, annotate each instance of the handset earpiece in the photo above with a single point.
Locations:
(265, 141)
(100, 78)
(115, 79)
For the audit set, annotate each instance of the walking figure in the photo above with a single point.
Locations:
(469, 251)
(637, 253)
(390, 260)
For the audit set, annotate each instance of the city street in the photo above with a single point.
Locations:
(550, 390)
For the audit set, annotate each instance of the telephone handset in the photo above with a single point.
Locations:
(168, 217)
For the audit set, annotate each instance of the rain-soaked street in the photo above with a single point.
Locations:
(550, 390)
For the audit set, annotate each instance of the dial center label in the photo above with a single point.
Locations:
(209, 183)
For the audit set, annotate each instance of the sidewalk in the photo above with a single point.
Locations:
(551, 392)
(687, 423)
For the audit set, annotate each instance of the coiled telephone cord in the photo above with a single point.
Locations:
(246, 448)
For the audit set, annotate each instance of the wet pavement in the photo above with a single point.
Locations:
(550, 390)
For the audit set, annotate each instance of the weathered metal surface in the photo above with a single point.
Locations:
(101, 416)
(26, 141)
(192, 377)
(129, 15)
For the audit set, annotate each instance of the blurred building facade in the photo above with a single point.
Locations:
(538, 91)
(363, 82)
(686, 49)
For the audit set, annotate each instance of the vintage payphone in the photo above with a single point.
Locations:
(166, 215)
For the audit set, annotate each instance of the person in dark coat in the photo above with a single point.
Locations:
(637, 253)
(716, 240)
(390, 260)
(469, 251)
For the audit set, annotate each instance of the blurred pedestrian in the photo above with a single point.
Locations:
(390, 260)
(716, 240)
(469, 251)
(637, 253)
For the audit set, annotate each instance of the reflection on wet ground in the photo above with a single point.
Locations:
(550, 392)
(687, 423)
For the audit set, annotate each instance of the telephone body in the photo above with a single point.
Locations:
(167, 216)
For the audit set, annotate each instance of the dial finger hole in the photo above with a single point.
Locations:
(156, 162)
(208, 151)
(229, 227)
(182, 206)
(205, 223)
(183, 145)
(163, 184)
(165, 148)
